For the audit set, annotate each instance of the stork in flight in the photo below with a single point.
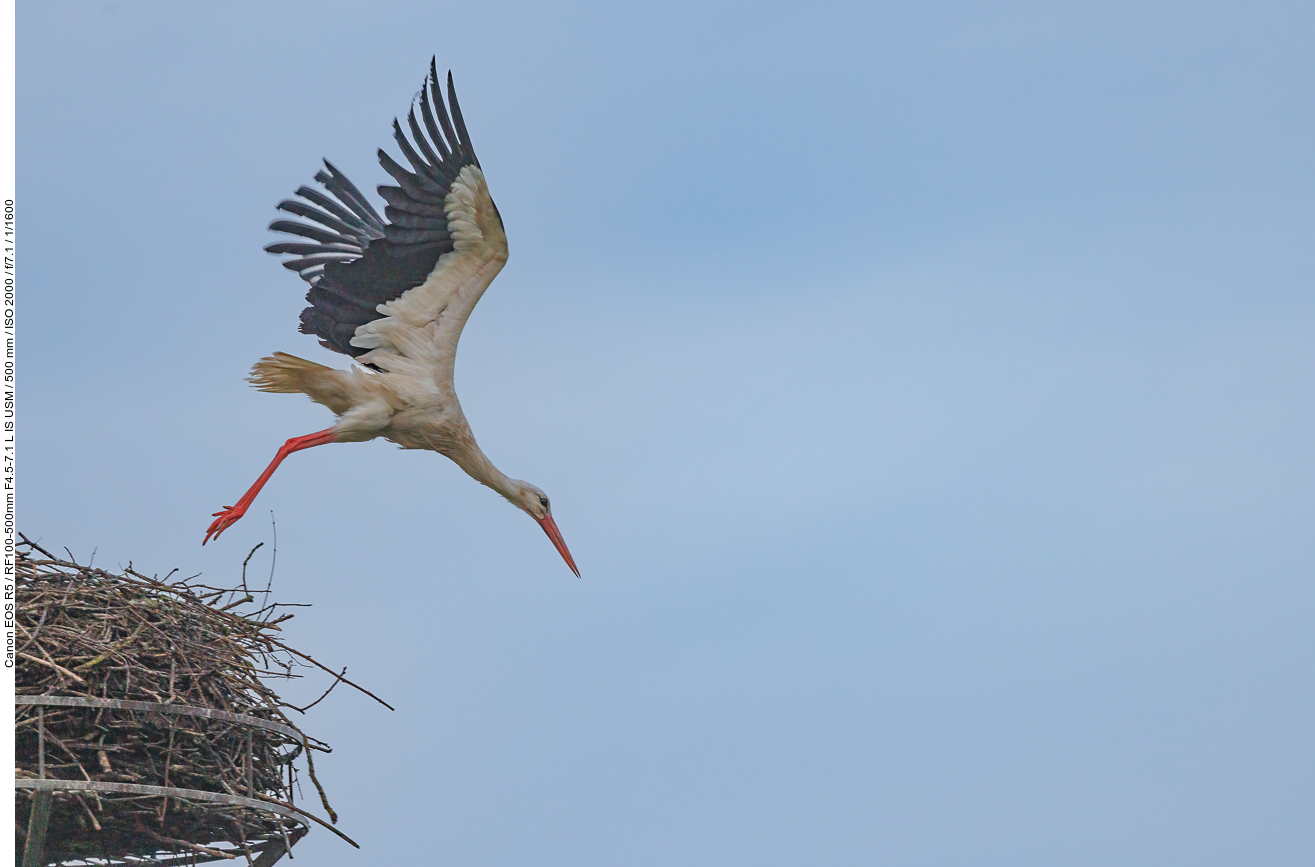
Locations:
(394, 296)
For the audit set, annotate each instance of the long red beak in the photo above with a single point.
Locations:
(550, 527)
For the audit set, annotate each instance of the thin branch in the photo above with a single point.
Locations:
(35, 546)
(337, 680)
(274, 557)
(331, 671)
(244, 565)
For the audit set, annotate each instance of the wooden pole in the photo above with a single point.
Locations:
(34, 851)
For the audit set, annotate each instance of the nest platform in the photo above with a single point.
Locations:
(145, 730)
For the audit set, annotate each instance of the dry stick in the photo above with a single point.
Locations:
(331, 671)
(29, 542)
(72, 755)
(94, 824)
(270, 609)
(57, 666)
(168, 756)
(242, 836)
(324, 799)
(274, 528)
(242, 601)
(46, 653)
(244, 566)
(114, 648)
(287, 844)
(310, 816)
(36, 630)
(206, 850)
(323, 697)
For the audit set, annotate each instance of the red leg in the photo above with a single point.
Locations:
(229, 516)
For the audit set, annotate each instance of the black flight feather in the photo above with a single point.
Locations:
(353, 259)
(328, 220)
(328, 204)
(310, 249)
(398, 200)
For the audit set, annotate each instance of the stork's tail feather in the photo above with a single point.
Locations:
(287, 374)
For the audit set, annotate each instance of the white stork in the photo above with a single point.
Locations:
(394, 296)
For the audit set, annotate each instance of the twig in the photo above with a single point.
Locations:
(195, 847)
(337, 680)
(55, 665)
(35, 631)
(324, 799)
(274, 557)
(95, 826)
(331, 671)
(247, 598)
(35, 546)
(113, 648)
(245, 562)
(310, 816)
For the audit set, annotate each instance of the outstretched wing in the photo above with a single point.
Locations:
(401, 288)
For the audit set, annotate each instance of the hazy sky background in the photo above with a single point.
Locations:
(923, 389)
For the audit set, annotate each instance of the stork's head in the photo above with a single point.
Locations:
(535, 503)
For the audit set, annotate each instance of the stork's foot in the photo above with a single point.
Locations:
(223, 520)
(228, 517)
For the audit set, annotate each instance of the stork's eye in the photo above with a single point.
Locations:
(543, 501)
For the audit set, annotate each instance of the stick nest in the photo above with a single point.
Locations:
(95, 634)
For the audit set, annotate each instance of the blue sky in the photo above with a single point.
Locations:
(924, 391)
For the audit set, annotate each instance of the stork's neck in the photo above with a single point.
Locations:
(481, 469)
